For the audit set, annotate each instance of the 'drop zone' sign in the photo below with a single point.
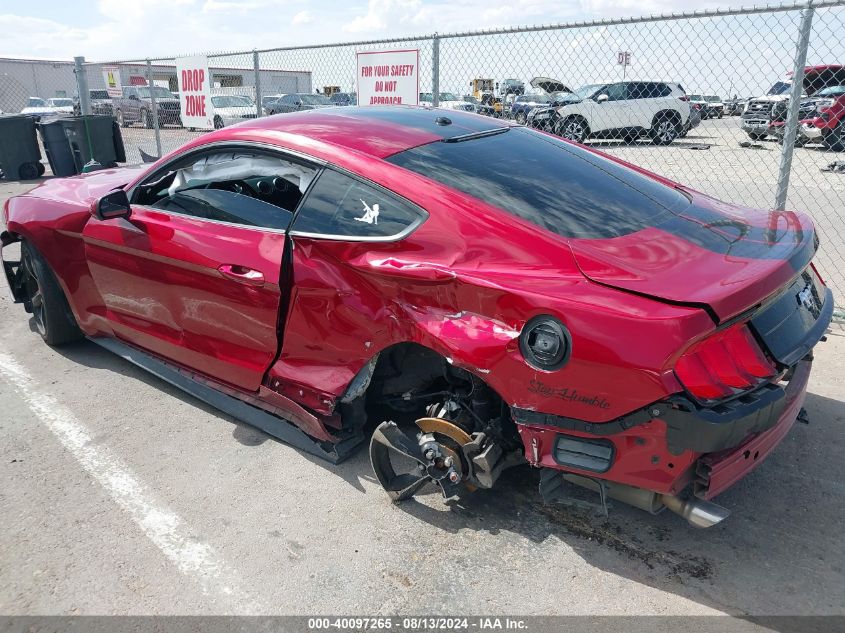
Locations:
(389, 78)
(195, 92)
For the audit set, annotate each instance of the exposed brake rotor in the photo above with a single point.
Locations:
(404, 461)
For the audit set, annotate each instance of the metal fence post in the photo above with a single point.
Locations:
(791, 131)
(153, 107)
(82, 84)
(256, 64)
(435, 70)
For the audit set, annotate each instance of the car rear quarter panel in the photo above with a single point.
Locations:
(464, 284)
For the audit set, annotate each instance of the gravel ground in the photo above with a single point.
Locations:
(122, 495)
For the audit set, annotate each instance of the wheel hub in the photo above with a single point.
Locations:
(405, 460)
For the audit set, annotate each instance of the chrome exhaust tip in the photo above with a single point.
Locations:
(697, 512)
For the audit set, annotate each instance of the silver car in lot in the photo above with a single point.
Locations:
(297, 101)
(231, 109)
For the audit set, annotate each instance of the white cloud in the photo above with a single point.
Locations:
(38, 37)
(382, 14)
(303, 17)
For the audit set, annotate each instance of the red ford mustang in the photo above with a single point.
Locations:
(481, 293)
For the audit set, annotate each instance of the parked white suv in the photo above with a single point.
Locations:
(626, 110)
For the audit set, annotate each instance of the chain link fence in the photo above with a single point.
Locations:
(745, 105)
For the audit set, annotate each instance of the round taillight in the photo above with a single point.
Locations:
(545, 343)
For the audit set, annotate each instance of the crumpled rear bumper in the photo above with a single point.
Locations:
(716, 472)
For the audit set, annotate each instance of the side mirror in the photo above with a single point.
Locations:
(112, 205)
(602, 98)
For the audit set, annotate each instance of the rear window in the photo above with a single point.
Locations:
(551, 183)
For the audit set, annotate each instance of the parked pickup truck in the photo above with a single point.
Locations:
(135, 106)
(758, 119)
(100, 103)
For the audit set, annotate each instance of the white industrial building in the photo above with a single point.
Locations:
(24, 78)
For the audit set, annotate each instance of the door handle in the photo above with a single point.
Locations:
(242, 274)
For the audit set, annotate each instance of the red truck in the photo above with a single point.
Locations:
(821, 113)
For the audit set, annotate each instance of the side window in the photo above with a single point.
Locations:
(615, 92)
(238, 187)
(662, 90)
(638, 90)
(340, 206)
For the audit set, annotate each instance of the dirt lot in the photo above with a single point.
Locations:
(122, 495)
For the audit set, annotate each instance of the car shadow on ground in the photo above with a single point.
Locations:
(779, 552)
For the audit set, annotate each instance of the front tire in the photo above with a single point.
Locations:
(46, 301)
(664, 129)
(521, 118)
(573, 129)
(218, 123)
(147, 119)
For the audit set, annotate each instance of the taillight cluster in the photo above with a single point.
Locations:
(724, 364)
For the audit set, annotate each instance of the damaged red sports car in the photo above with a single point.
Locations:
(464, 293)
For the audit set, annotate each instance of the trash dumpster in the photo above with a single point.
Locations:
(20, 157)
(72, 142)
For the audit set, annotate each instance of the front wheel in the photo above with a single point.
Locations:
(521, 118)
(573, 129)
(664, 130)
(45, 299)
(218, 123)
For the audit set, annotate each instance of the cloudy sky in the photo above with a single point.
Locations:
(119, 29)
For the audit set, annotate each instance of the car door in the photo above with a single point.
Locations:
(135, 105)
(642, 102)
(613, 113)
(194, 275)
(288, 103)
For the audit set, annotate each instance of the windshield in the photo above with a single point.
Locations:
(158, 91)
(585, 92)
(426, 96)
(99, 94)
(712, 99)
(448, 96)
(470, 99)
(310, 99)
(548, 182)
(61, 103)
(231, 101)
(696, 98)
(35, 102)
(831, 91)
(781, 87)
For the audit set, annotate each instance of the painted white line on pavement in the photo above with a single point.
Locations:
(165, 529)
